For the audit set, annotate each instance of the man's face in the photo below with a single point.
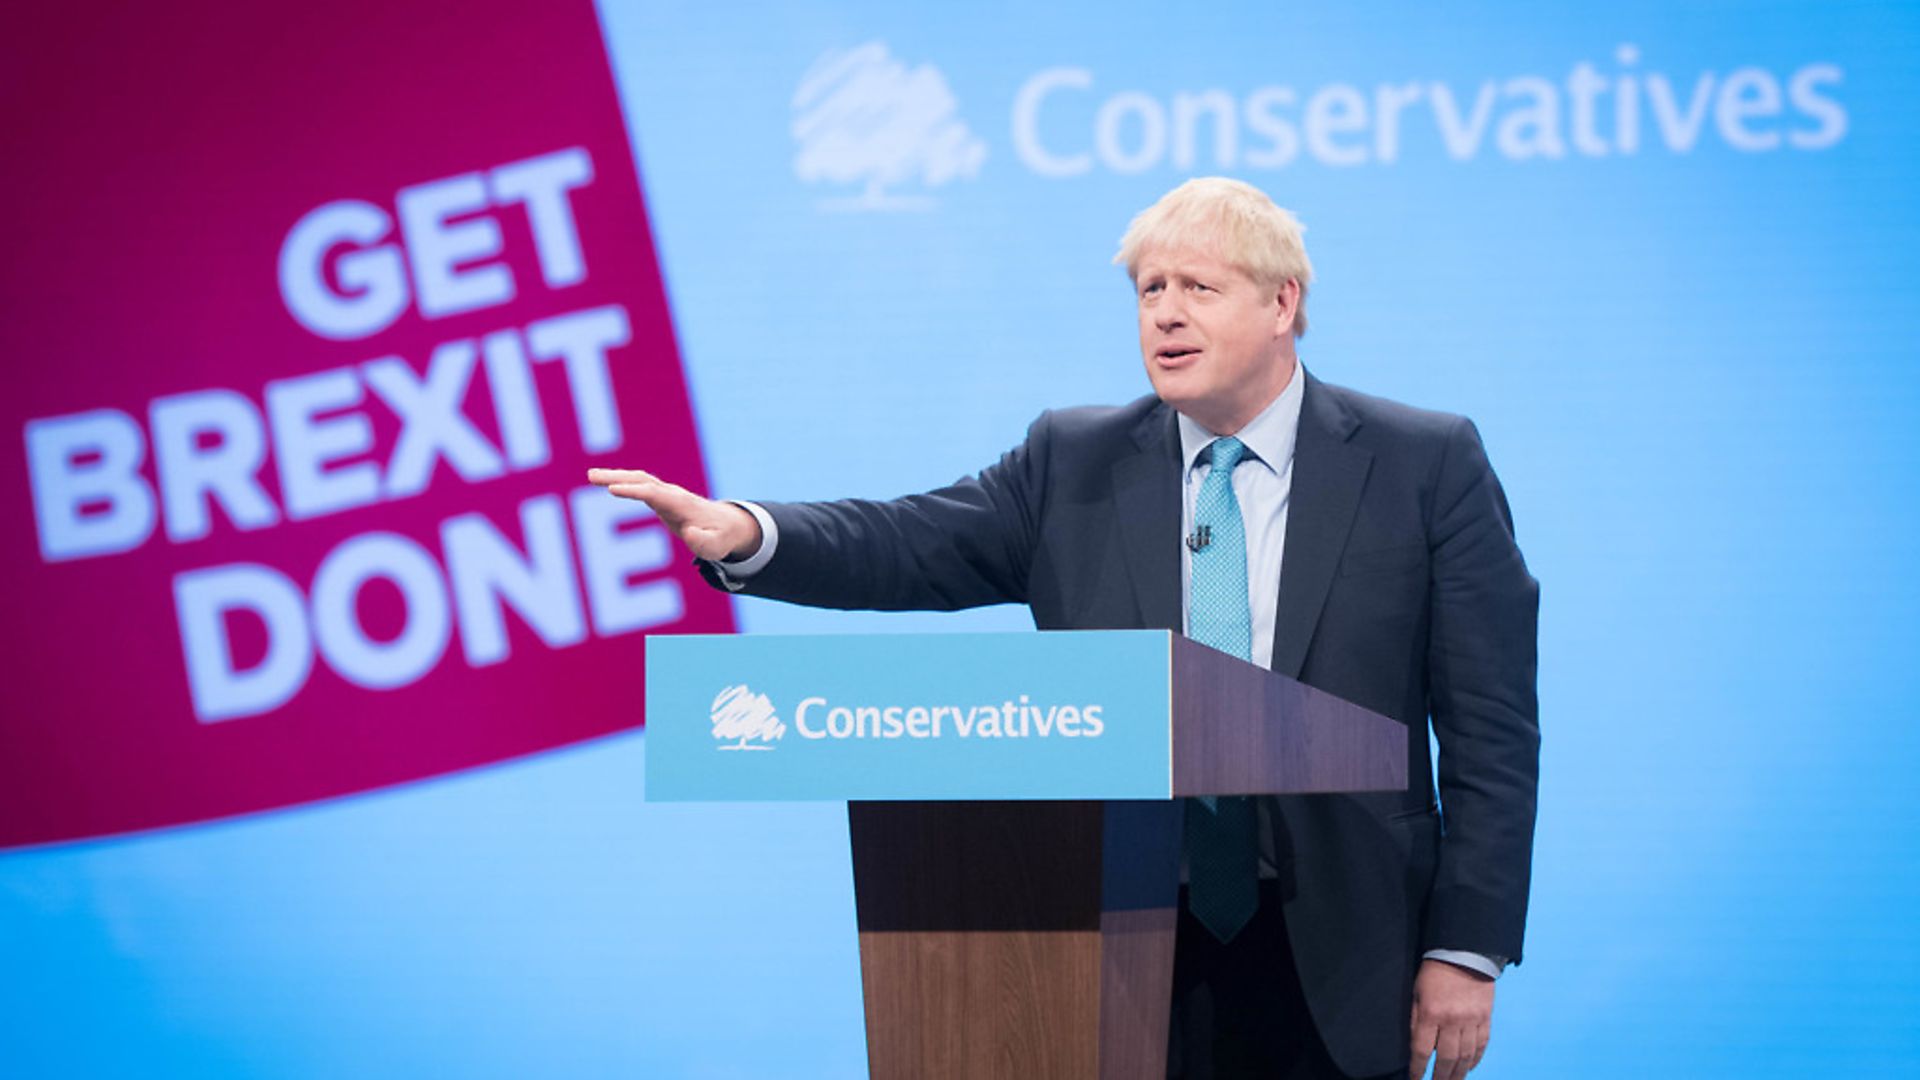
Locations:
(1217, 346)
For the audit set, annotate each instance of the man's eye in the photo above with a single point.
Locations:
(1201, 286)
(1150, 290)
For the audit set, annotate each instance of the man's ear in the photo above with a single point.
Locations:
(1289, 306)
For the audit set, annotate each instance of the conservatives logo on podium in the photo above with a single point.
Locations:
(745, 717)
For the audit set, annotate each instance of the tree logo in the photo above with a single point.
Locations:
(740, 714)
(862, 117)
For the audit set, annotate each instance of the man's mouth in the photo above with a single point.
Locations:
(1175, 354)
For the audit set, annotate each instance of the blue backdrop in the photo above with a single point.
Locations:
(1663, 254)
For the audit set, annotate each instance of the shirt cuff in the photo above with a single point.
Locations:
(734, 573)
(1490, 966)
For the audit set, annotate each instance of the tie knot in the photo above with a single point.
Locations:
(1227, 452)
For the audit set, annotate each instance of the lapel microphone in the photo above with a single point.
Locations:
(1202, 536)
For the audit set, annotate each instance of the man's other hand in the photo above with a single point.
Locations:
(1452, 1019)
(716, 531)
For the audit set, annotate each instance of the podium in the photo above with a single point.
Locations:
(1014, 808)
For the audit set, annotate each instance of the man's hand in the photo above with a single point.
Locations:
(1452, 1019)
(715, 531)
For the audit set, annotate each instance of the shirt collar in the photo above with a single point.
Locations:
(1270, 435)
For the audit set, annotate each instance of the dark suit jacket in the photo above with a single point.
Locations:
(1402, 590)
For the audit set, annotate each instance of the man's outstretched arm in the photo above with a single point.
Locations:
(964, 545)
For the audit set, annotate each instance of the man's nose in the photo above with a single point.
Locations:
(1169, 316)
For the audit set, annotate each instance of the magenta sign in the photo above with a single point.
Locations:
(314, 322)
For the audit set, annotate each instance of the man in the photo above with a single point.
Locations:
(1361, 546)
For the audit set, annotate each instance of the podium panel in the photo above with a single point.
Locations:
(1013, 812)
(1081, 714)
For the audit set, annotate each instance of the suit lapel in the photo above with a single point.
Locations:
(1328, 473)
(1146, 495)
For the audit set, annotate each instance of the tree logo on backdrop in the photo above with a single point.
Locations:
(861, 117)
(742, 718)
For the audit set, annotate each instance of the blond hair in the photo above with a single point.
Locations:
(1231, 220)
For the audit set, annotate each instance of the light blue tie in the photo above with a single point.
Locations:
(1223, 886)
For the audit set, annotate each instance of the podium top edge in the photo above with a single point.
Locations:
(1167, 634)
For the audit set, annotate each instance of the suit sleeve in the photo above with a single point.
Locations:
(965, 545)
(1482, 663)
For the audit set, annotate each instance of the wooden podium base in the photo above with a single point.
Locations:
(1016, 940)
